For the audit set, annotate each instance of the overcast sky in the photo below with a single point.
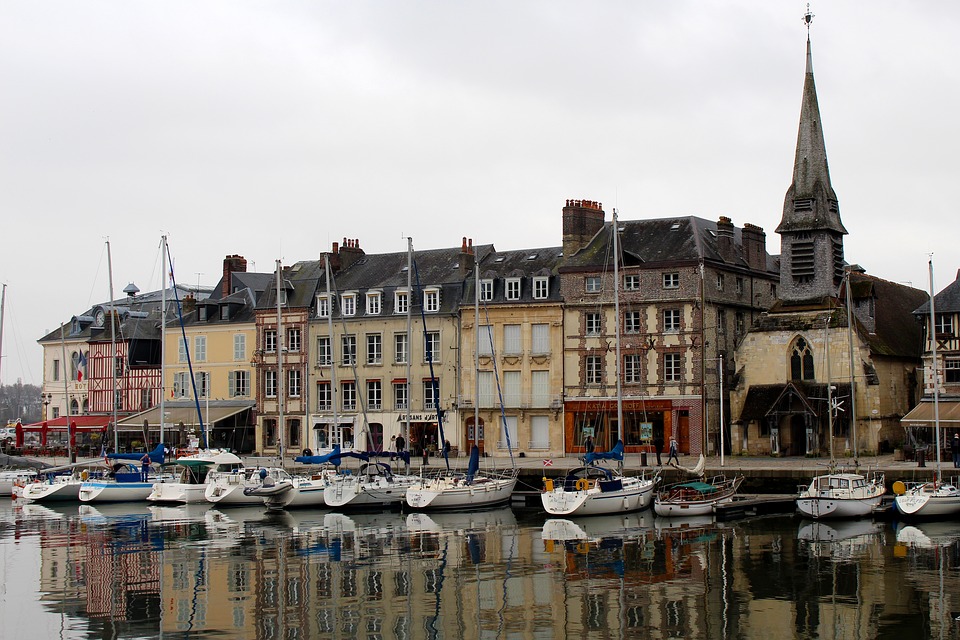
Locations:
(272, 129)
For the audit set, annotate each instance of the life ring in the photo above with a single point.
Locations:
(583, 484)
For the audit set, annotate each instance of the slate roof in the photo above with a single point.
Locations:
(300, 282)
(947, 301)
(661, 241)
(520, 263)
(897, 332)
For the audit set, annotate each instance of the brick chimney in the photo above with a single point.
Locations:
(231, 264)
(725, 243)
(189, 303)
(348, 254)
(467, 257)
(754, 247)
(582, 219)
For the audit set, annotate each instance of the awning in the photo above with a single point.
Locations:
(922, 415)
(184, 413)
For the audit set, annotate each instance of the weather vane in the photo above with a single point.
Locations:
(808, 18)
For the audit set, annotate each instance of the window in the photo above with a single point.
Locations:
(181, 384)
(671, 280)
(349, 396)
(56, 370)
(487, 391)
(118, 365)
(324, 353)
(348, 350)
(739, 285)
(293, 340)
(401, 301)
(374, 303)
(270, 384)
(431, 346)
(400, 350)
(486, 290)
(323, 306)
(513, 288)
(631, 282)
(431, 300)
(592, 323)
(512, 342)
(348, 304)
(540, 388)
(293, 383)
(944, 324)
(951, 372)
(541, 287)
(238, 383)
(540, 338)
(270, 340)
(592, 369)
(631, 322)
(539, 432)
(740, 325)
(511, 389)
(293, 433)
(374, 348)
(801, 361)
(239, 347)
(671, 367)
(671, 320)
(374, 395)
(203, 384)
(181, 349)
(430, 392)
(400, 395)
(719, 282)
(631, 368)
(721, 321)
(593, 284)
(324, 397)
(485, 348)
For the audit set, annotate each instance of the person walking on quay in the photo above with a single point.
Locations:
(658, 445)
(673, 451)
(588, 445)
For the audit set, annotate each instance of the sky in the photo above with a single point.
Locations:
(272, 129)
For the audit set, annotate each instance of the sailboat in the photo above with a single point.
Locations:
(594, 489)
(839, 494)
(475, 488)
(937, 498)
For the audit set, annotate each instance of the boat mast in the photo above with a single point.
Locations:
(278, 345)
(3, 303)
(853, 377)
(164, 283)
(333, 367)
(66, 394)
(113, 353)
(476, 355)
(616, 323)
(826, 341)
(406, 425)
(936, 382)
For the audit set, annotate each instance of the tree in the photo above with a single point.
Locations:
(19, 401)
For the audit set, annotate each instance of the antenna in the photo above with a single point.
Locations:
(808, 18)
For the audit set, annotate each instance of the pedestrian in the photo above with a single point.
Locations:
(588, 445)
(399, 444)
(956, 450)
(145, 467)
(446, 448)
(673, 451)
(658, 445)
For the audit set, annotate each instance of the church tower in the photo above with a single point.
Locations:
(811, 233)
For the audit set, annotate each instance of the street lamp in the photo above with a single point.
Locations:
(46, 399)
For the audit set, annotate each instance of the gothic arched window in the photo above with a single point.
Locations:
(801, 361)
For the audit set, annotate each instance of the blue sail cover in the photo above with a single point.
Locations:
(329, 457)
(614, 454)
(154, 456)
(474, 465)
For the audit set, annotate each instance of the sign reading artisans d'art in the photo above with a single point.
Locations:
(417, 417)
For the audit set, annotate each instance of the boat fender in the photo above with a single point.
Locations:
(547, 484)
(583, 484)
(899, 488)
(84, 475)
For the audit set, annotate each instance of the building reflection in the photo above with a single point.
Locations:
(249, 573)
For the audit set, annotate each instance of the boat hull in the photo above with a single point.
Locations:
(696, 499)
(634, 494)
(115, 491)
(177, 493)
(928, 501)
(841, 495)
(354, 494)
(452, 493)
(305, 493)
(52, 492)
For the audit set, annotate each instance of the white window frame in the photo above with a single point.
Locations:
(540, 389)
(592, 323)
(401, 395)
(401, 348)
(270, 340)
(539, 432)
(374, 303)
(374, 395)
(592, 284)
(512, 340)
(374, 348)
(486, 290)
(672, 320)
(631, 282)
(541, 287)
(431, 300)
(294, 380)
(324, 352)
(540, 338)
(672, 367)
(593, 369)
(270, 383)
(324, 396)
(348, 304)
(632, 368)
(433, 339)
(294, 342)
(323, 305)
(632, 321)
(348, 350)
(671, 280)
(401, 301)
(348, 393)
(239, 347)
(487, 389)
(512, 392)
(239, 383)
(430, 403)
(512, 288)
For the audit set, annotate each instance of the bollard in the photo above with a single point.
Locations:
(643, 458)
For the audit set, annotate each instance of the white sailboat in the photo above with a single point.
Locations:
(476, 488)
(839, 494)
(190, 485)
(934, 499)
(593, 489)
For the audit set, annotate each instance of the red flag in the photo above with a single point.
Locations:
(547, 462)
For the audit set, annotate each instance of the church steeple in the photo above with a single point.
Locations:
(811, 260)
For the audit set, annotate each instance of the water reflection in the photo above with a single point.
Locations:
(123, 571)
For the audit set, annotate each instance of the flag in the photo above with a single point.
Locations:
(547, 462)
(81, 365)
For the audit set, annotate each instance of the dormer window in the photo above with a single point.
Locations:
(202, 312)
(401, 301)
(323, 306)
(282, 295)
(374, 303)
(486, 290)
(541, 287)
(225, 312)
(348, 304)
(513, 288)
(431, 300)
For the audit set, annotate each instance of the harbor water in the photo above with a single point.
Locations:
(132, 571)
